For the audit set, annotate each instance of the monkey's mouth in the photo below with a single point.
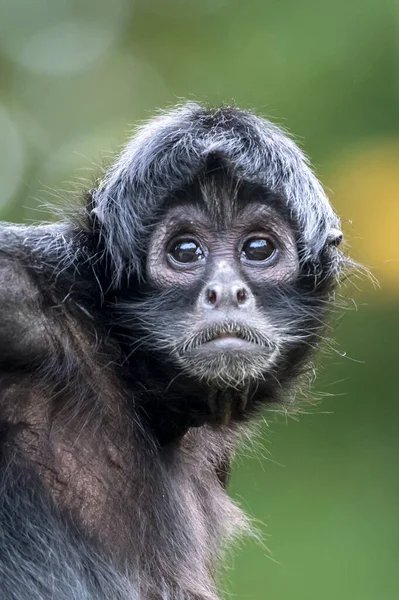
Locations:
(227, 343)
(228, 354)
(228, 337)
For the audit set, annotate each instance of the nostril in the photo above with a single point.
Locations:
(211, 296)
(228, 295)
(242, 295)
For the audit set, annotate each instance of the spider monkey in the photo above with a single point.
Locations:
(139, 339)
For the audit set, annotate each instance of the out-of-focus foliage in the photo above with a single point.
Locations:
(76, 75)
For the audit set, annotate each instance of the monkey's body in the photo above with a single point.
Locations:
(132, 356)
(125, 517)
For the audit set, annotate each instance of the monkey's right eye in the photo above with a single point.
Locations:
(186, 251)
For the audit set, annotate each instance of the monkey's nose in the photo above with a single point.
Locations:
(235, 295)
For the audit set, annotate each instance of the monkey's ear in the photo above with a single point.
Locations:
(334, 237)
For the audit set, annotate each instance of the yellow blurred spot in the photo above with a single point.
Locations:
(366, 191)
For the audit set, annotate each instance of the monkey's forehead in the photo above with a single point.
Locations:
(217, 199)
(200, 212)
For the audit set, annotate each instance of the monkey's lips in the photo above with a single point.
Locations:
(226, 341)
(227, 338)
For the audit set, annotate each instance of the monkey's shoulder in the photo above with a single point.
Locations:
(22, 328)
(19, 263)
(26, 291)
(47, 299)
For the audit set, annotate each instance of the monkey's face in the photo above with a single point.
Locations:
(219, 265)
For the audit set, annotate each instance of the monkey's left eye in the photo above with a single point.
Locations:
(186, 251)
(258, 249)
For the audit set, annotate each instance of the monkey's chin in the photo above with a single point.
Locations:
(228, 362)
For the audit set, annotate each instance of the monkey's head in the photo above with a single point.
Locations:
(232, 240)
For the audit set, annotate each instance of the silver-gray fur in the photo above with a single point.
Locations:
(170, 150)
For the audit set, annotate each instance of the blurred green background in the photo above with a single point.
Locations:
(76, 75)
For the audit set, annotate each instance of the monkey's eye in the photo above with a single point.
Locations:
(258, 249)
(186, 251)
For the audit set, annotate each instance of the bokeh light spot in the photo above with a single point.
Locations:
(366, 191)
(62, 37)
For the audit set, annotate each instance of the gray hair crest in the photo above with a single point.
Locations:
(169, 151)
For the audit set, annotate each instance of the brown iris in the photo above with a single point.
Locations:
(258, 249)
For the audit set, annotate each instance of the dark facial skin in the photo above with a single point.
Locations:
(256, 245)
(228, 337)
